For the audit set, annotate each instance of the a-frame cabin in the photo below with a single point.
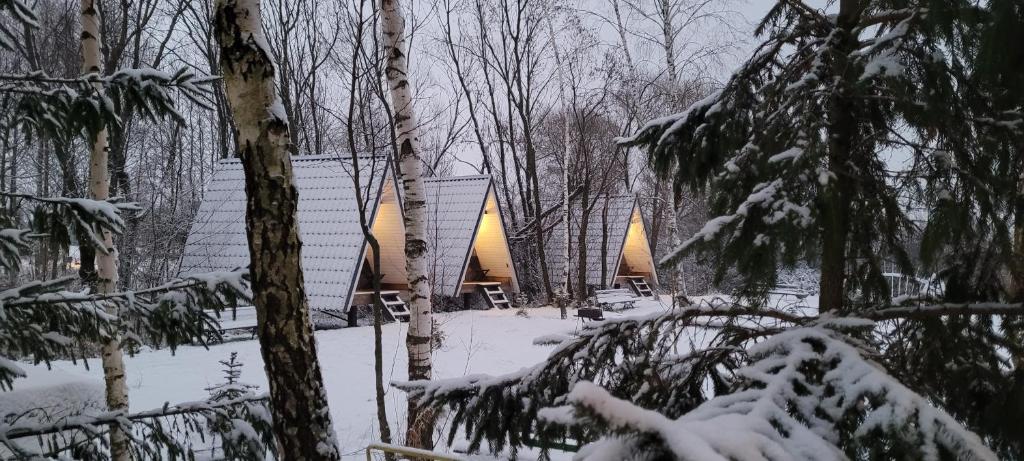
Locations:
(333, 245)
(467, 247)
(615, 229)
(466, 240)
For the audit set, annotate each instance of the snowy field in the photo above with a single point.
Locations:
(492, 342)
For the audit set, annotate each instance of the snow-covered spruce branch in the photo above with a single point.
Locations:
(44, 333)
(12, 243)
(812, 15)
(236, 280)
(239, 428)
(42, 321)
(938, 309)
(886, 16)
(90, 422)
(634, 357)
(93, 217)
(807, 393)
(64, 107)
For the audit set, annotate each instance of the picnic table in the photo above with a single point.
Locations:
(616, 299)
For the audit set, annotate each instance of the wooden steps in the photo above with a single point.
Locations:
(640, 286)
(494, 295)
(394, 306)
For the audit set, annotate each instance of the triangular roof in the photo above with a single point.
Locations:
(621, 209)
(332, 241)
(455, 210)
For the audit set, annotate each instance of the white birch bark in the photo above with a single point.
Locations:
(106, 258)
(620, 27)
(668, 39)
(566, 140)
(418, 339)
(302, 422)
(669, 45)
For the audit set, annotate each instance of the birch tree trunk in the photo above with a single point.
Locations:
(620, 28)
(566, 140)
(668, 39)
(669, 43)
(106, 258)
(302, 420)
(418, 339)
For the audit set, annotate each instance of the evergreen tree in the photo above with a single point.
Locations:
(794, 149)
(793, 152)
(44, 320)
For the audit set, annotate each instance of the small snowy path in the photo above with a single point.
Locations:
(492, 342)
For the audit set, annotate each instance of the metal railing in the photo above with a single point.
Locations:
(409, 452)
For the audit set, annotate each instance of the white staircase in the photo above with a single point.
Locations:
(394, 305)
(640, 287)
(495, 295)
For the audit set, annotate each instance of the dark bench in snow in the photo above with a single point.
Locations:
(590, 313)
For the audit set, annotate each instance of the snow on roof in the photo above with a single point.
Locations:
(454, 206)
(619, 212)
(332, 241)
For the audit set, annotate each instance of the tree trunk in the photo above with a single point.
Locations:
(418, 341)
(1017, 294)
(566, 234)
(668, 39)
(566, 142)
(841, 135)
(378, 307)
(581, 246)
(604, 244)
(302, 420)
(672, 220)
(620, 28)
(105, 261)
(378, 344)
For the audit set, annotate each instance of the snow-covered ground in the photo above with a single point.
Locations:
(492, 342)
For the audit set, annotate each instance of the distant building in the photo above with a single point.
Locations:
(615, 228)
(466, 237)
(468, 249)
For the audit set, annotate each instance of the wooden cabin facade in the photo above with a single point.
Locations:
(467, 247)
(466, 239)
(618, 252)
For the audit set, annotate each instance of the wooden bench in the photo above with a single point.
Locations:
(789, 290)
(616, 299)
(243, 319)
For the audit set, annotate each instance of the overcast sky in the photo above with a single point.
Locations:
(743, 21)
